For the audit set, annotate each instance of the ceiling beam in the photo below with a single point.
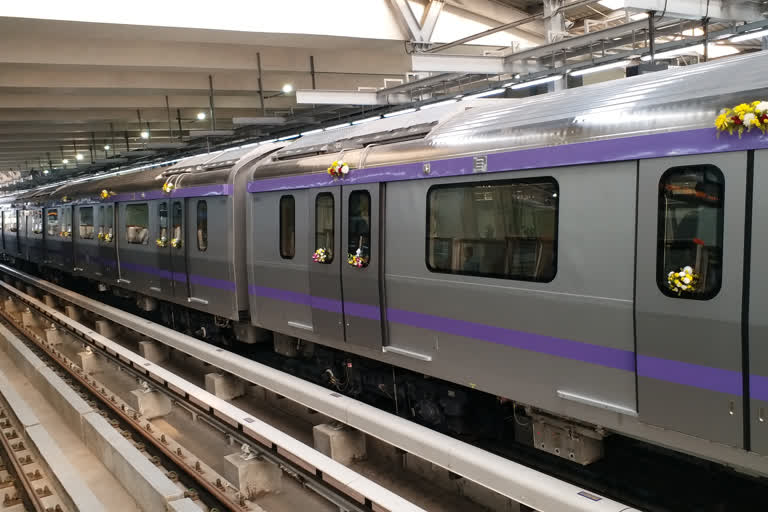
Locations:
(326, 97)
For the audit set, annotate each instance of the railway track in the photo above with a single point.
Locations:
(330, 485)
(348, 492)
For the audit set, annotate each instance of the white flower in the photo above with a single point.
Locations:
(358, 252)
(723, 111)
(681, 274)
(671, 274)
(748, 118)
(345, 169)
(687, 280)
(688, 270)
(684, 287)
(762, 106)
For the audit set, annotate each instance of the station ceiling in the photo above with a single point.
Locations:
(120, 93)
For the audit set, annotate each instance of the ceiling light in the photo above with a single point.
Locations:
(366, 120)
(749, 35)
(612, 4)
(78, 156)
(144, 134)
(310, 132)
(438, 104)
(200, 116)
(287, 88)
(483, 94)
(337, 126)
(400, 112)
(45, 171)
(289, 137)
(65, 161)
(267, 141)
(107, 147)
(545, 80)
(597, 69)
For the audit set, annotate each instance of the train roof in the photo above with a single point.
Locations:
(666, 101)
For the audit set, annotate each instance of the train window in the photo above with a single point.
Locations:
(109, 221)
(176, 220)
(11, 221)
(85, 226)
(287, 227)
(101, 221)
(66, 224)
(359, 227)
(503, 229)
(137, 223)
(37, 222)
(162, 213)
(324, 226)
(690, 232)
(52, 222)
(202, 225)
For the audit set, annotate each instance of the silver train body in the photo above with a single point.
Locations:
(517, 247)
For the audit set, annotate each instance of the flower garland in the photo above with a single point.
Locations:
(162, 241)
(357, 259)
(742, 118)
(167, 187)
(322, 255)
(175, 243)
(106, 194)
(338, 169)
(683, 281)
(65, 234)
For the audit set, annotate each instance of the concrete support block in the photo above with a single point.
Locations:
(68, 404)
(53, 336)
(88, 361)
(154, 351)
(252, 477)
(31, 290)
(150, 404)
(29, 319)
(106, 328)
(223, 386)
(148, 485)
(49, 300)
(339, 442)
(10, 305)
(73, 312)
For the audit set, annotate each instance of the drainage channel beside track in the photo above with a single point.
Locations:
(444, 474)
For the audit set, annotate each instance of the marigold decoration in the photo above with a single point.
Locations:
(742, 118)
(106, 194)
(338, 169)
(176, 243)
(108, 237)
(162, 242)
(100, 236)
(322, 255)
(167, 187)
(65, 234)
(683, 281)
(357, 259)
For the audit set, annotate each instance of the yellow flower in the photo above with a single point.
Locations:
(755, 103)
(721, 122)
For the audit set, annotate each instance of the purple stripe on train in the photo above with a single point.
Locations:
(688, 142)
(688, 374)
(758, 387)
(201, 191)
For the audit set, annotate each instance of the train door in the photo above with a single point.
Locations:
(361, 264)
(107, 243)
(164, 250)
(689, 274)
(178, 249)
(758, 306)
(325, 267)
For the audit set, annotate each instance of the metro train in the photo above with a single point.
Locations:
(480, 260)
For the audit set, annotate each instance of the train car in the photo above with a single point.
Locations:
(527, 249)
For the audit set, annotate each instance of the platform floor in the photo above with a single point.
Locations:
(93, 473)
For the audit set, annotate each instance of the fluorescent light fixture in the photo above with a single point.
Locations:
(400, 112)
(749, 35)
(287, 88)
(144, 134)
(366, 120)
(545, 80)
(65, 161)
(483, 94)
(438, 104)
(337, 126)
(107, 147)
(79, 156)
(597, 69)
(45, 171)
(698, 48)
(200, 116)
(612, 4)
(310, 132)
(269, 141)
(289, 137)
